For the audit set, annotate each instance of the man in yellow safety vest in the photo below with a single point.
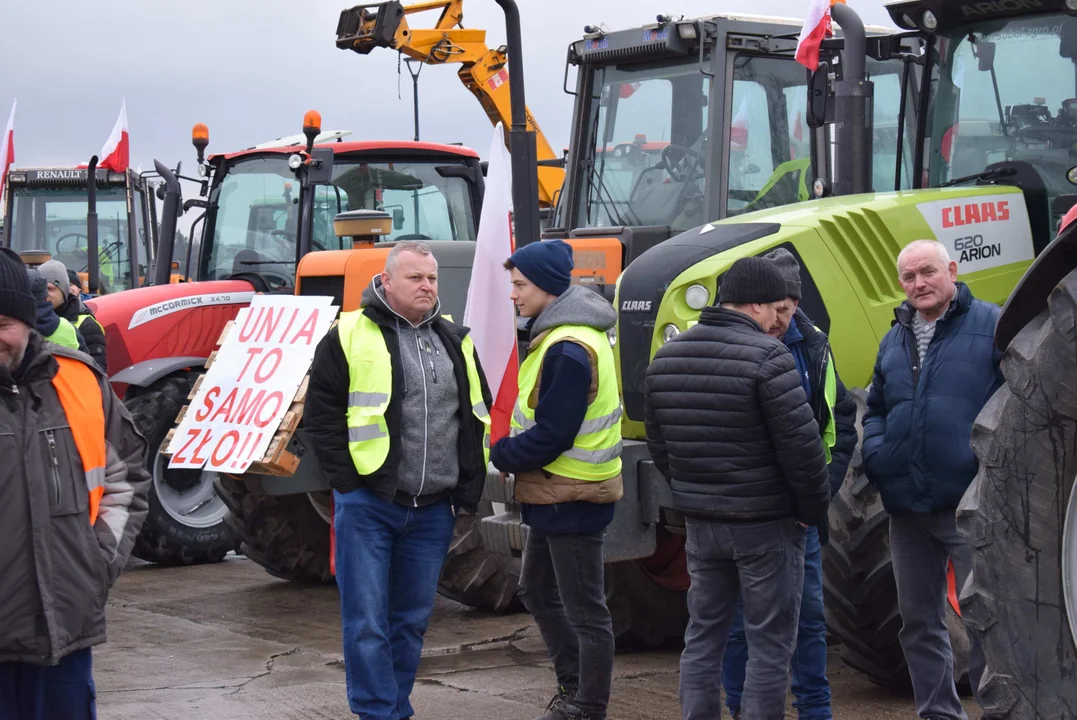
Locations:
(397, 411)
(565, 453)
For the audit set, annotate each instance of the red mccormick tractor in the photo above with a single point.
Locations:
(264, 209)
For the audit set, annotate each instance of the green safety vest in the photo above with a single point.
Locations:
(596, 451)
(370, 386)
(65, 335)
(830, 396)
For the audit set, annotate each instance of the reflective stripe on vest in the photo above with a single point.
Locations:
(596, 452)
(370, 387)
(65, 335)
(80, 395)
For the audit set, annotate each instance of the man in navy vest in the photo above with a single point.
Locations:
(936, 369)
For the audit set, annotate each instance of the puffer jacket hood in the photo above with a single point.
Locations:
(576, 306)
(374, 298)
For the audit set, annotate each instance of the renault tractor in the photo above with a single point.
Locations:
(979, 156)
(263, 210)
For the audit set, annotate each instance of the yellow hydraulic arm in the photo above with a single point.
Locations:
(484, 71)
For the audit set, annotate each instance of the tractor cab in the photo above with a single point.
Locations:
(680, 123)
(267, 207)
(46, 209)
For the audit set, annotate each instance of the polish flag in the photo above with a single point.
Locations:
(489, 312)
(738, 133)
(7, 148)
(116, 154)
(816, 28)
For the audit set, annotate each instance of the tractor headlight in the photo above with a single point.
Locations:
(294, 161)
(697, 297)
(930, 21)
(611, 334)
(203, 170)
(669, 332)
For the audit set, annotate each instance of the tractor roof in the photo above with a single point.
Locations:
(378, 147)
(952, 13)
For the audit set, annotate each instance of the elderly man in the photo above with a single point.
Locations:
(72, 500)
(729, 424)
(835, 414)
(935, 370)
(397, 412)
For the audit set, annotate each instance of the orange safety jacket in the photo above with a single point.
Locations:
(80, 394)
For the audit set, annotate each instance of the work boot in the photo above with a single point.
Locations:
(553, 710)
(570, 711)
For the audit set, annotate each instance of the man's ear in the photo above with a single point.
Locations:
(952, 267)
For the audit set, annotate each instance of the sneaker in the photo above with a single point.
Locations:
(553, 709)
(570, 711)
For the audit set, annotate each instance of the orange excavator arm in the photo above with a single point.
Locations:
(483, 71)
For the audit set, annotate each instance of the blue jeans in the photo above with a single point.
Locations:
(810, 685)
(42, 692)
(388, 559)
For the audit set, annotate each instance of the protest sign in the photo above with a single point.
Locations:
(250, 386)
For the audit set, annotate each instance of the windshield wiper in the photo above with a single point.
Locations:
(267, 262)
(982, 175)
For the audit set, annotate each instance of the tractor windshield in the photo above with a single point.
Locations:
(253, 228)
(54, 219)
(1007, 93)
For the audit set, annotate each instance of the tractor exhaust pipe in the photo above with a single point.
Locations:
(853, 108)
(93, 261)
(170, 210)
(522, 145)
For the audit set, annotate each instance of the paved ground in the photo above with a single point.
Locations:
(228, 641)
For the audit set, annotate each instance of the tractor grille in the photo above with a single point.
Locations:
(869, 251)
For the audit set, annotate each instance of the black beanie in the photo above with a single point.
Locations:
(15, 298)
(752, 280)
(789, 268)
(547, 263)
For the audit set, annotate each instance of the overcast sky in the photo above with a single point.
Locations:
(251, 68)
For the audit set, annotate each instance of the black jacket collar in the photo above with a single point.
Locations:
(724, 317)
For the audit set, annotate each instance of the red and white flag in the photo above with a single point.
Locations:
(816, 29)
(489, 311)
(738, 132)
(116, 154)
(7, 148)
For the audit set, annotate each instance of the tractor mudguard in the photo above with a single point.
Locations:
(1029, 298)
(147, 372)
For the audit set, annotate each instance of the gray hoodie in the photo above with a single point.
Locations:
(430, 408)
(576, 306)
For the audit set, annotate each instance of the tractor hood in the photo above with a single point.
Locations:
(167, 321)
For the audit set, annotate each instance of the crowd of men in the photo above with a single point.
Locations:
(746, 417)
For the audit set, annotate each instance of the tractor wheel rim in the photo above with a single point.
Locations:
(195, 507)
(1069, 562)
(322, 505)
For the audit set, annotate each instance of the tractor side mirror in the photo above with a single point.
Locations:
(398, 218)
(1067, 46)
(985, 55)
(818, 96)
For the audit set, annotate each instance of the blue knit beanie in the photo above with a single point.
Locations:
(548, 264)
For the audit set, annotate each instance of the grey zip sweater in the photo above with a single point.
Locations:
(431, 424)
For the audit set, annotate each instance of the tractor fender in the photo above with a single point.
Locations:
(147, 372)
(1029, 298)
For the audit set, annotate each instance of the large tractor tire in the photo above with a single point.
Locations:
(1021, 516)
(858, 584)
(648, 598)
(475, 577)
(185, 524)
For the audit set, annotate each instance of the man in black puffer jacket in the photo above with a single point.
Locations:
(729, 425)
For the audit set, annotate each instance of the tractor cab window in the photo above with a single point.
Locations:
(54, 219)
(254, 223)
(1007, 94)
(425, 204)
(647, 143)
(769, 143)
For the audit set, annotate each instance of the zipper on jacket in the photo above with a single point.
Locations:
(820, 403)
(426, 421)
(55, 465)
(914, 355)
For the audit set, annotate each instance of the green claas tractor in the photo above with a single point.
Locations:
(979, 155)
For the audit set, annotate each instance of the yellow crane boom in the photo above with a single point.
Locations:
(483, 71)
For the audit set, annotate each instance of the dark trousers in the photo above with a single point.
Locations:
(921, 544)
(764, 564)
(49, 692)
(811, 688)
(562, 586)
(388, 559)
